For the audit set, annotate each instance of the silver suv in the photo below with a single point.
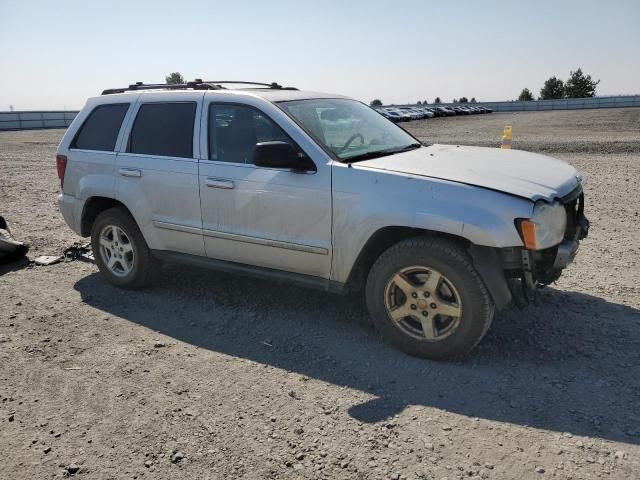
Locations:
(323, 191)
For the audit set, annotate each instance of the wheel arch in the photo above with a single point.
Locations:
(485, 259)
(383, 239)
(93, 207)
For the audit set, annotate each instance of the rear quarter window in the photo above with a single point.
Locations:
(100, 130)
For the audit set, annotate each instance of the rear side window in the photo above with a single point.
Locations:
(164, 129)
(100, 130)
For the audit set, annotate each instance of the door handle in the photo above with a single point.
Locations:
(130, 172)
(219, 183)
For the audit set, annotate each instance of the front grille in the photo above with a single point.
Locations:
(574, 206)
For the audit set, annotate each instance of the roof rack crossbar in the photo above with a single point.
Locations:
(164, 86)
(273, 85)
(197, 84)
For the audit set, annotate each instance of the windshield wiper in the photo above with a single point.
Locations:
(381, 153)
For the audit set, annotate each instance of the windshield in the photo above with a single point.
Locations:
(349, 129)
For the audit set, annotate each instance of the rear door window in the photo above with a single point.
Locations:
(164, 129)
(100, 130)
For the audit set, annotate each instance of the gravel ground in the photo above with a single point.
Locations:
(207, 375)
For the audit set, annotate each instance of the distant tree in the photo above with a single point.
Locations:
(174, 77)
(437, 100)
(553, 88)
(455, 100)
(424, 102)
(376, 103)
(525, 95)
(463, 100)
(419, 102)
(580, 85)
(473, 100)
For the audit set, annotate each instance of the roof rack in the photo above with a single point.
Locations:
(197, 84)
(272, 85)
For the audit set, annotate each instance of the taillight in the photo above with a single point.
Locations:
(61, 165)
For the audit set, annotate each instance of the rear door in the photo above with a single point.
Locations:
(157, 171)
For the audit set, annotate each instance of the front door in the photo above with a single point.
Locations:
(267, 217)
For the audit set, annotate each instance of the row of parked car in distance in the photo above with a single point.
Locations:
(405, 114)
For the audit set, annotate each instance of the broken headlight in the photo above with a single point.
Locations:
(546, 227)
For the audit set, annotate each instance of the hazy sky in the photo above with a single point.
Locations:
(55, 54)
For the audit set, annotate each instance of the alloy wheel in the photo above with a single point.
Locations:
(423, 303)
(116, 250)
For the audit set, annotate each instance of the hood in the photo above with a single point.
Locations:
(520, 173)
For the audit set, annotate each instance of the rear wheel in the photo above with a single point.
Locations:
(121, 253)
(425, 296)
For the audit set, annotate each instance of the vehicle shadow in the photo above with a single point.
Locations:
(567, 364)
(13, 265)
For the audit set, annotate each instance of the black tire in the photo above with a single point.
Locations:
(145, 266)
(457, 269)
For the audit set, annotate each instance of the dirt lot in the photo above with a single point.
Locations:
(206, 375)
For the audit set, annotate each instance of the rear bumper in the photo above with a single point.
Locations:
(71, 210)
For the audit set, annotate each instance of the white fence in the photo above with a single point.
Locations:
(563, 104)
(44, 119)
(62, 119)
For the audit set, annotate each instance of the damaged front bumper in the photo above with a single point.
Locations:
(577, 230)
(10, 248)
(528, 270)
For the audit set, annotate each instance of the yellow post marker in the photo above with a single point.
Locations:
(506, 137)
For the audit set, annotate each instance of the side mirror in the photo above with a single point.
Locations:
(281, 155)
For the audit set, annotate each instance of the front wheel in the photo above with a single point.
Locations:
(426, 297)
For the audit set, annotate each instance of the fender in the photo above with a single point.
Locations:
(366, 201)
